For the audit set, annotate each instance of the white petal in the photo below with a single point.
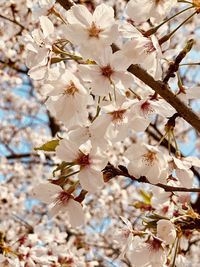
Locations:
(137, 12)
(66, 150)
(186, 177)
(103, 15)
(38, 72)
(46, 25)
(90, 179)
(79, 14)
(75, 212)
(76, 34)
(194, 161)
(127, 222)
(46, 192)
(54, 210)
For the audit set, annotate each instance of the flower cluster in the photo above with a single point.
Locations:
(103, 74)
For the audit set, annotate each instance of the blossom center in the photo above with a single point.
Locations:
(83, 160)
(150, 157)
(107, 71)
(94, 31)
(165, 209)
(155, 244)
(149, 47)
(118, 115)
(62, 198)
(146, 108)
(71, 89)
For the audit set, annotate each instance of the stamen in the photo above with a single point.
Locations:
(94, 31)
(107, 71)
(150, 157)
(83, 160)
(71, 89)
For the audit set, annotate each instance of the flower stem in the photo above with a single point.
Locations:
(98, 110)
(169, 140)
(168, 36)
(176, 146)
(190, 64)
(163, 137)
(153, 30)
(137, 96)
(176, 250)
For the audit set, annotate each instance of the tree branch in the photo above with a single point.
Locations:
(164, 90)
(12, 65)
(110, 172)
(66, 4)
(13, 21)
(158, 86)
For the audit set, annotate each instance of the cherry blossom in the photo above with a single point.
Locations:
(149, 161)
(61, 202)
(153, 9)
(107, 73)
(90, 164)
(166, 231)
(68, 99)
(151, 253)
(38, 60)
(91, 32)
(99, 107)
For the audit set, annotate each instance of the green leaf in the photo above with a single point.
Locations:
(49, 146)
(146, 196)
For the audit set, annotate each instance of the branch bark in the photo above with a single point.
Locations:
(110, 172)
(13, 21)
(164, 90)
(66, 4)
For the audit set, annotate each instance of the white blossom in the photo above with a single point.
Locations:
(149, 161)
(91, 32)
(140, 11)
(91, 164)
(166, 231)
(60, 201)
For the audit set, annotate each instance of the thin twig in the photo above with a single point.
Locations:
(110, 172)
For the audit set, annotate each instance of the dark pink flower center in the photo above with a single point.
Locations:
(118, 115)
(107, 71)
(62, 198)
(155, 244)
(149, 47)
(83, 160)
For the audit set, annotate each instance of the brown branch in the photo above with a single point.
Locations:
(19, 156)
(25, 155)
(175, 65)
(12, 65)
(164, 90)
(110, 172)
(13, 21)
(66, 4)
